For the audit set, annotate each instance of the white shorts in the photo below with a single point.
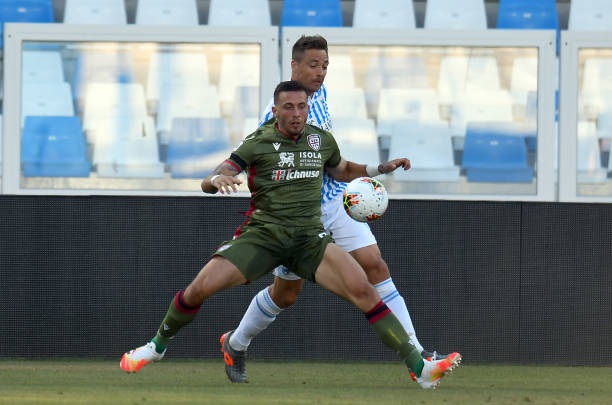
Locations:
(347, 233)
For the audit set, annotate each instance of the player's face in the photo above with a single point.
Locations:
(311, 69)
(291, 111)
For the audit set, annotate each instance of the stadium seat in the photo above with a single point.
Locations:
(588, 157)
(461, 74)
(384, 14)
(46, 99)
(101, 64)
(402, 104)
(233, 74)
(41, 66)
(590, 15)
(524, 79)
(596, 92)
(528, 14)
(164, 12)
(430, 147)
(406, 72)
(312, 13)
(53, 147)
(24, 11)
(246, 106)
(524, 130)
(110, 12)
(107, 101)
(185, 101)
(174, 68)
(453, 14)
(451, 80)
(129, 154)
(357, 139)
(196, 146)
(479, 106)
(490, 155)
(239, 13)
(347, 102)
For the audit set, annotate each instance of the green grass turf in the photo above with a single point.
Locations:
(204, 382)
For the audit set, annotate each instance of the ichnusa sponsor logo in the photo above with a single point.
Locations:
(279, 175)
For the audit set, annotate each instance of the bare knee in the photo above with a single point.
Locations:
(364, 296)
(372, 263)
(284, 293)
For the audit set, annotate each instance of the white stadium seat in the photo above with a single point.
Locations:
(164, 12)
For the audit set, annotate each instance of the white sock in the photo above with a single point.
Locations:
(261, 312)
(390, 296)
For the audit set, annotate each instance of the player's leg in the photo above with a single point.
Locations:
(218, 274)
(262, 311)
(265, 306)
(340, 273)
(357, 239)
(377, 271)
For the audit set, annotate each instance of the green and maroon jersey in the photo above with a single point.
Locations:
(285, 175)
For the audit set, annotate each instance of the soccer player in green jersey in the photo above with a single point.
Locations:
(285, 160)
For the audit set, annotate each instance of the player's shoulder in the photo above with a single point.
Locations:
(266, 128)
(309, 129)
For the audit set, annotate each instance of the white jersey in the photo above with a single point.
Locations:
(318, 115)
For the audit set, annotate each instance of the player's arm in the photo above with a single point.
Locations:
(347, 170)
(223, 177)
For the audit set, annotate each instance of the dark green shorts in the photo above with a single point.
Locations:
(263, 246)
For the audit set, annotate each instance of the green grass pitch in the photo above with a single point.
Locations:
(204, 382)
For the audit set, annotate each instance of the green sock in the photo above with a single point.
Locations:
(174, 320)
(391, 332)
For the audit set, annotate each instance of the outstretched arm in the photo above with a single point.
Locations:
(347, 170)
(222, 179)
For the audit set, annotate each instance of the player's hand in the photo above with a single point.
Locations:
(388, 167)
(226, 184)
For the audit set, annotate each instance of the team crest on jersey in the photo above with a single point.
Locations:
(314, 141)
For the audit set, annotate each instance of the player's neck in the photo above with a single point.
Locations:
(286, 134)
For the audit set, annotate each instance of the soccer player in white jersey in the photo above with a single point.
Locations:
(309, 67)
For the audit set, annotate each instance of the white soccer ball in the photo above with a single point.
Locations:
(365, 199)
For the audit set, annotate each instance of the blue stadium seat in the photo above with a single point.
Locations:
(53, 147)
(493, 154)
(31, 11)
(196, 146)
(312, 13)
(528, 14)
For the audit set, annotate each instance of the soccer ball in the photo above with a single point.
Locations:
(365, 199)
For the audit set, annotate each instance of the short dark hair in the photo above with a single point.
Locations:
(308, 42)
(290, 85)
